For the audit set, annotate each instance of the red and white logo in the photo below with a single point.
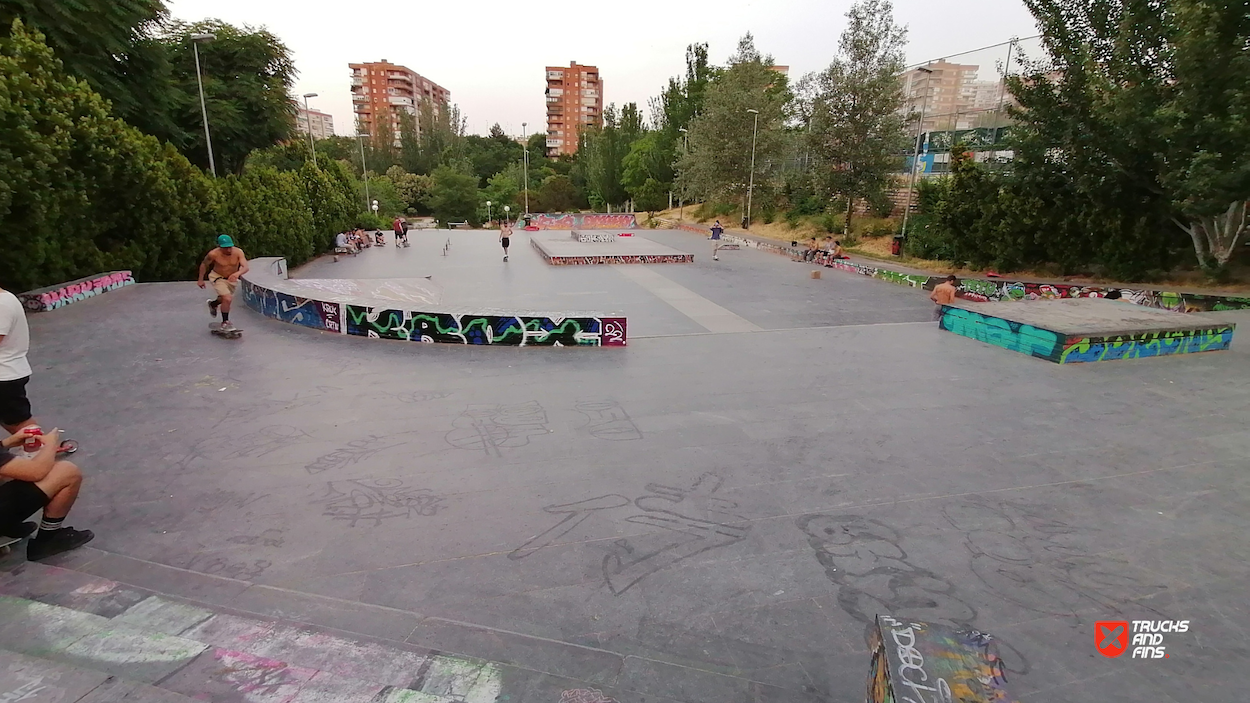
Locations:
(1111, 637)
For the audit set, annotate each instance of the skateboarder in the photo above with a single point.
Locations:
(717, 231)
(41, 482)
(224, 266)
(505, 238)
(944, 293)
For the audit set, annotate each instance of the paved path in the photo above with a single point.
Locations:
(698, 517)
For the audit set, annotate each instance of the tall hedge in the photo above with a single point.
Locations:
(83, 192)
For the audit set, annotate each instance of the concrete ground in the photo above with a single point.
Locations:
(711, 514)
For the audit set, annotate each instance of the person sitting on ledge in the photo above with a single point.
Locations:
(837, 251)
(37, 482)
(812, 247)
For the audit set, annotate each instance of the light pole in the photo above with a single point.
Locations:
(507, 214)
(525, 144)
(746, 221)
(375, 208)
(488, 213)
(208, 140)
(915, 159)
(364, 174)
(308, 120)
(681, 196)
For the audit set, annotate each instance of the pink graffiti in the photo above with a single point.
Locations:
(614, 332)
(608, 221)
(553, 221)
(80, 290)
(579, 221)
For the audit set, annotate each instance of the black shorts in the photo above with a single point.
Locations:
(19, 500)
(504, 242)
(14, 406)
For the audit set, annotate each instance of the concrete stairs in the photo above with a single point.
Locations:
(68, 636)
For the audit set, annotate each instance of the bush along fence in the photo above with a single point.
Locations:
(988, 289)
(266, 290)
(58, 296)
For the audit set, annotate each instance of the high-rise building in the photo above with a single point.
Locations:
(574, 102)
(944, 90)
(320, 123)
(382, 91)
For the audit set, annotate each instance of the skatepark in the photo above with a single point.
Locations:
(713, 510)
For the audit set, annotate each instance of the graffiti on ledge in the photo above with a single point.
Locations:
(583, 221)
(1053, 346)
(53, 297)
(630, 259)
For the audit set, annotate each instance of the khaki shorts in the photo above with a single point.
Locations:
(220, 284)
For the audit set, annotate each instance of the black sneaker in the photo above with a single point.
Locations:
(18, 531)
(212, 307)
(62, 540)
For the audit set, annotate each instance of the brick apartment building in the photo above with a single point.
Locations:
(321, 124)
(574, 101)
(383, 91)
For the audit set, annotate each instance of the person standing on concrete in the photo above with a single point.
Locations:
(505, 237)
(944, 293)
(717, 231)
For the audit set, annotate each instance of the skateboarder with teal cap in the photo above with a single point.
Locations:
(224, 265)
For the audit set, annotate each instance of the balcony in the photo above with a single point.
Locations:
(553, 143)
(400, 100)
(395, 76)
(554, 100)
(555, 75)
(555, 92)
(357, 80)
(358, 98)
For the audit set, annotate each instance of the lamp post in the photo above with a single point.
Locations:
(312, 145)
(681, 196)
(364, 173)
(746, 221)
(375, 208)
(488, 212)
(507, 214)
(208, 140)
(915, 159)
(525, 145)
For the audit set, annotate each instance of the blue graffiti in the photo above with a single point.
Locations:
(1016, 336)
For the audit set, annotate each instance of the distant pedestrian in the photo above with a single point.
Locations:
(505, 238)
(717, 231)
(944, 293)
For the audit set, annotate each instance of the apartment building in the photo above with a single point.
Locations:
(382, 91)
(946, 91)
(574, 102)
(320, 123)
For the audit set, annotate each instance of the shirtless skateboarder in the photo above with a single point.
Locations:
(224, 266)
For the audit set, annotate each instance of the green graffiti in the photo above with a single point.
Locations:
(1150, 344)
(902, 278)
(1016, 336)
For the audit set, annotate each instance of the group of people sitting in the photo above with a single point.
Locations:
(821, 252)
(352, 241)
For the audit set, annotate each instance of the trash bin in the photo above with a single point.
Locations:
(896, 247)
(745, 223)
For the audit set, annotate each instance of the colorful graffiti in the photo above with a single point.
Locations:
(288, 308)
(1061, 349)
(449, 328)
(594, 237)
(917, 661)
(522, 329)
(1141, 346)
(583, 221)
(1016, 336)
(630, 259)
(53, 297)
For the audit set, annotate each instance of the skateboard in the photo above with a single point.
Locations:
(215, 328)
(6, 544)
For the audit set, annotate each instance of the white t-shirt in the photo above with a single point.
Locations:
(340, 240)
(16, 342)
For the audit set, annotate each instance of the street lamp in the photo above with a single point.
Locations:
(308, 120)
(208, 140)
(375, 208)
(364, 173)
(746, 221)
(681, 195)
(507, 214)
(915, 159)
(487, 212)
(525, 144)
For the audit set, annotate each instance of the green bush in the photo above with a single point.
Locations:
(793, 218)
(831, 222)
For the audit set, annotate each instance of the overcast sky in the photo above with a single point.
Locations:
(491, 54)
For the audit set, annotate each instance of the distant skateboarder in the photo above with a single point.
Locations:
(717, 231)
(224, 266)
(505, 238)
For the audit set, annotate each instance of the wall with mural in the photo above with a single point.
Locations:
(583, 221)
(262, 292)
(1063, 349)
(916, 661)
(53, 297)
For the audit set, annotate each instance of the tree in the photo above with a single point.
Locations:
(453, 196)
(492, 154)
(556, 194)
(112, 45)
(1140, 112)
(504, 188)
(718, 164)
(856, 132)
(651, 196)
(412, 189)
(603, 150)
(441, 129)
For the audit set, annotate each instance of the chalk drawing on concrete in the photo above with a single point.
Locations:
(365, 501)
(492, 428)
